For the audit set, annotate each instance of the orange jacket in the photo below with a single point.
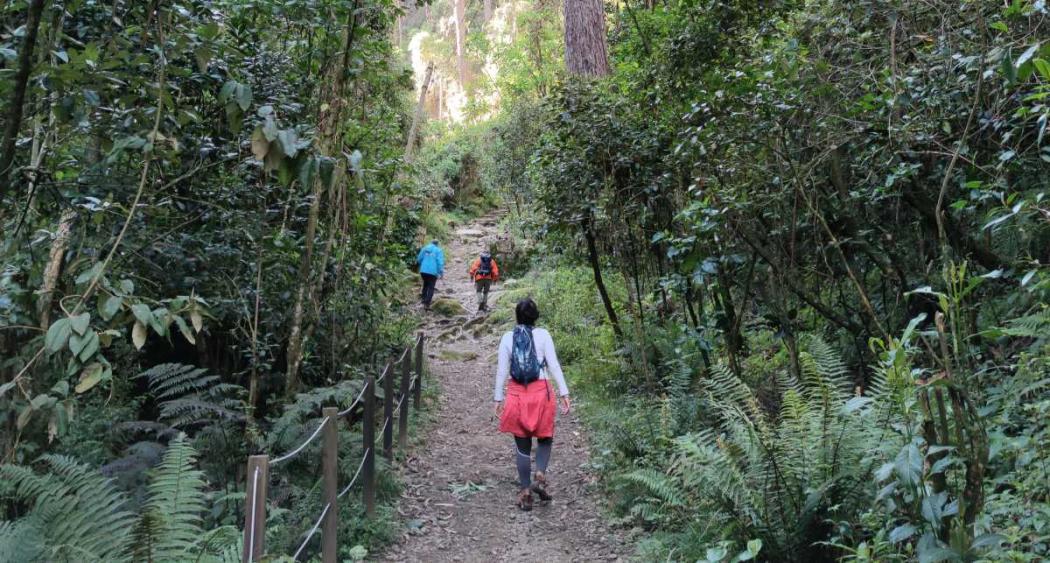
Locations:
(494, 276)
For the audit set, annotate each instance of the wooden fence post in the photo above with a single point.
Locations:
(255, 508)
(417, 391)
(330, 471)
(388, 413)
(402, 415)
(368, 433)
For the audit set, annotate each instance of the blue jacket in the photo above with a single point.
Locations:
(431, 260)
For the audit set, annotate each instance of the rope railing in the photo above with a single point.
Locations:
(410, 363)
(312, 532)
(346, 411)
(357, 474)
(382, 376)
(251, 527)
(296, 451)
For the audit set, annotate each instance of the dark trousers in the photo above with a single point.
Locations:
(482, 287)
(429, 282)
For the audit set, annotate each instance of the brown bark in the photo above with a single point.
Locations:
(417, 118)
(734, 342)
(586, 53)
(487, 10)
(54, 266)
(461, 33)
(599, 282)
(440, 98)
(13, 118)
(410, 149)
(253, 382)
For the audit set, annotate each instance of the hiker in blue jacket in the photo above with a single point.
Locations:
(431, 261)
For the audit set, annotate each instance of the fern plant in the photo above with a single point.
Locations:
(781, 476)
(300, 417)
(171, 518)
(74, 514)
(1035, 325)
(187, 395)
(77, 515)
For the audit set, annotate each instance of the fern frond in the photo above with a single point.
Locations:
(778, 476)
(300, 416)
(173, 380)
(217, 543)
(732, 396)
(659, 485)
(20, 541)
(824, 376)
(1035, 325)
(194, 409)
(176, 502)
(188, 395)
(76, 512)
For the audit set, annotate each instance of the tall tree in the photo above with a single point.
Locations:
(18, 95)
(461, 33)
(587, 56)
(585, 51)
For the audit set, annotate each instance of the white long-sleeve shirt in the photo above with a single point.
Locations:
(544, 346)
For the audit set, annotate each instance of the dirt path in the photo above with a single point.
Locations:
(461, 484)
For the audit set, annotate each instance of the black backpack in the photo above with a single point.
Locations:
(525, 367)
(485, 268)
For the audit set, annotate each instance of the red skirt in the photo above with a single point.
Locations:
(529, 410)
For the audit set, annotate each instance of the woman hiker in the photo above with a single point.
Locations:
(431, 262)
(527, 355)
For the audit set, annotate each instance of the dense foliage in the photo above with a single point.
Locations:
(206, 193)
(756, 179)
(794, 254)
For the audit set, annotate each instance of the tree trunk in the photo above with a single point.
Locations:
(440, 99)
(417, 118)
(585, 50)
(592, 255)
(54, 266)
(253, 382)
(487, 11)
(329, 122)
(18, 96)
(410, 148)
(734, 341)
(461, 33)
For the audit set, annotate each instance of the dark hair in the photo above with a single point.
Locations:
(526, 312)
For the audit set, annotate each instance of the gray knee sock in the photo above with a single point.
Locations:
(543, 453)
(523, 460)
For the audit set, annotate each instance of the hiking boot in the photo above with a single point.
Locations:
(539, 486)
(525, 500)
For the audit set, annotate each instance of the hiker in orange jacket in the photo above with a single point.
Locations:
(484, 271)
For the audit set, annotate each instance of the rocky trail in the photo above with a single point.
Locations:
(460, 483)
